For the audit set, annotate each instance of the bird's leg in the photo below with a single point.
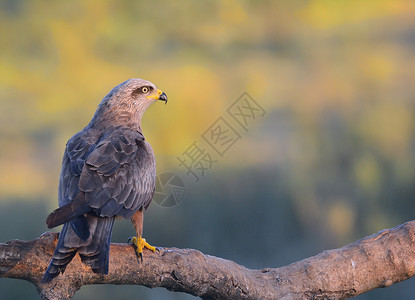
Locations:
(138, 241)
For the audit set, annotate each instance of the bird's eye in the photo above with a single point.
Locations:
(144, 90)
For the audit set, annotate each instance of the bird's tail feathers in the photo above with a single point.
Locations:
(96, 253)
(61, 257)
(68, 212)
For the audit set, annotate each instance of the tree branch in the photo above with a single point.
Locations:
(375, 261)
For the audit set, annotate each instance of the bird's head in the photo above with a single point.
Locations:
(126, 103)
(143, 91)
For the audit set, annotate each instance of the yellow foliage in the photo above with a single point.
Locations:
(59, 59)
(367, 173)
(341, 219)
(21, 174)
(326, 14)
(377, 66)
(232, 12)
(389, 126)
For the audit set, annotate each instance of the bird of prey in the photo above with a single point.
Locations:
(108, 170)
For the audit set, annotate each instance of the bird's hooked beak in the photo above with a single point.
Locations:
(159, 96)
(163, 97)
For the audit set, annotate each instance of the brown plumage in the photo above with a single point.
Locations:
(108, 170)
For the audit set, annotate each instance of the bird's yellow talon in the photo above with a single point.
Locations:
(140, 244)
(149, 247)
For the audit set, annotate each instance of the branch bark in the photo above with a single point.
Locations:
(376, 261)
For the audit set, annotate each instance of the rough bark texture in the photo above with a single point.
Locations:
(375, 261)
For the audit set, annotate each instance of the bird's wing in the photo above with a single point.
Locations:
(107, 174)
(78, 148)
(118, 176)
(72, 203)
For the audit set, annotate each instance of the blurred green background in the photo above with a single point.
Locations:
(330, 162)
